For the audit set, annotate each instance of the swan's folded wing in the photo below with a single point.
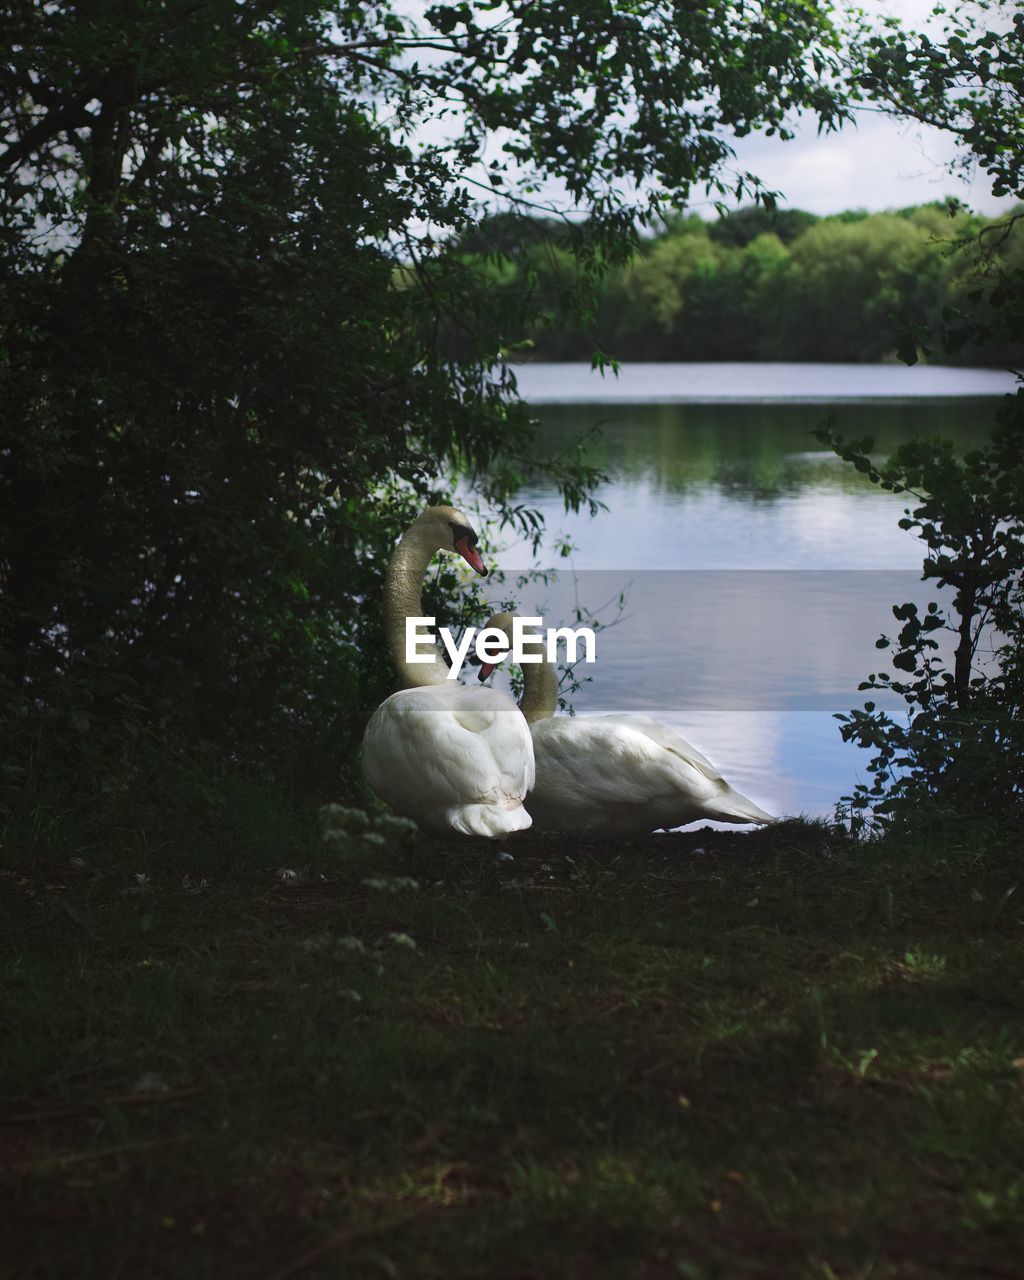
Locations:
(722, 801)
(666, 738)
(607, 760)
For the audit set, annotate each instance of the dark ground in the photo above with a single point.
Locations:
(706, 1055)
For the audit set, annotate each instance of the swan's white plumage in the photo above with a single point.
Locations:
(626, 775)
(619, 774)
(451, 758)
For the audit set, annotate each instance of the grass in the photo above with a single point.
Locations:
(778, 1056)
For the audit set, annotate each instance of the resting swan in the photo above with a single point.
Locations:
(449, 757)
(617, 774)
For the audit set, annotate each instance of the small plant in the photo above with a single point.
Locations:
(354, 834)
(351, 829)
(921, 964)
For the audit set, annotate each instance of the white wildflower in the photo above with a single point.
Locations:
(151, 1082)
(337, 817)
(399, 940)
(391, 884)
(350, 943)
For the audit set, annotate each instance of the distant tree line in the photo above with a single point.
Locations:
(759, 284)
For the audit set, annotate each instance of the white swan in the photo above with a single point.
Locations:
(617, 774)
(449, 757)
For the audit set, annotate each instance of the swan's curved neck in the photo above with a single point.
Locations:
(403, 598)
(540, 691)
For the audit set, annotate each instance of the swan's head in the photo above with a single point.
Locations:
(502, 623)
(450, 530)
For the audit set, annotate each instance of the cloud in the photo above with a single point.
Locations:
(875, 163)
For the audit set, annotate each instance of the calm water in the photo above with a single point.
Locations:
(757, 568)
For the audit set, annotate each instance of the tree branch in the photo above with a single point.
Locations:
(69, 116)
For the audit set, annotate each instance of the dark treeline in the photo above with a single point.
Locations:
(763, 285)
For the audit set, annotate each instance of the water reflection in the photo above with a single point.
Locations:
(758, 452)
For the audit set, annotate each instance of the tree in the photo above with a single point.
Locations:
(851, 284)
(966, 82)
(666, 283)
(969, 83)
(958, 755)
(740, 226)
(960, 751)
(241, 346)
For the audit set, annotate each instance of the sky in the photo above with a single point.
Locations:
(877, 164)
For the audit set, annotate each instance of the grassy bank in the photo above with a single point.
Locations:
(703, 1056)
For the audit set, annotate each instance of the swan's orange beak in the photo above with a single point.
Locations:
(471, 556)
(485, 670)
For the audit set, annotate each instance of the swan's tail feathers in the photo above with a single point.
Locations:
(730, 806)
(489, 820)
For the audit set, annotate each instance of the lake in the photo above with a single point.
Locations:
(757, 569)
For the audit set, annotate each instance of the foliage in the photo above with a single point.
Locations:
(960, 751)
(758, 285)
(240, 345)
(967, 82)
(739, 226)
(850, 283)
